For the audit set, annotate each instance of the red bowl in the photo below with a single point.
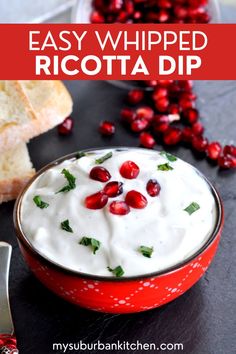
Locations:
(118, 295)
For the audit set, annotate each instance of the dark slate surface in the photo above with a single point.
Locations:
(203, 319)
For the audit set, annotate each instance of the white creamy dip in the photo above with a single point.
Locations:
(163, 225)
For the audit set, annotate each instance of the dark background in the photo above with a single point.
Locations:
(204, 318)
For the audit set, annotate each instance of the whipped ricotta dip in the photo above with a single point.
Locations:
(171, 227)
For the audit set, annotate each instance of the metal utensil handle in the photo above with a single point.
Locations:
(7, 337)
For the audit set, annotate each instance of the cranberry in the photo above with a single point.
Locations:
(96, 201)
(65, 128)
(119, 208)
(97, 17)
(129, 170)
(214, 150)
(230, 150)
(191, 115)
(135, 96)
(107, 128)
(138, 125)
(227, 161)
(100, 174)
(136, 200)
(147, 140)
(128, 115)
(153, 188)
(113, 189)
(172, 136)
(145, 112)
(197, 128)
(199, 143)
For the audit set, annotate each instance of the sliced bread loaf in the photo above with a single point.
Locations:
(29, 108)
(15, 171)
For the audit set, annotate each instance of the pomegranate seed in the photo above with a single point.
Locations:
(173, 109)
(227, 161)
(97, 17)
(115, 5)
(165, 83)
(199, 143)
(65, 128)
(151, 83)
(119, 208)
(98, 4)
(186, 85)
(136, 200)
(197, 128)
(129, 170)
(145, 112)
(96, 201)
(137, 15)
(180, 12)
(107, 128)
(162, 104)
(161, 118)
(186, 103)
(153, 188)
(128, 115)
(147, 140)
(172, 136)
(187, 135)
(138, 125)
(122, 17)
(129, 7)
(159, 93)
(135, 96)
(113, 189)
(191, 115)
(214, 150)
(164, 4)
(99, 174)
(161, 127)
(230, 150)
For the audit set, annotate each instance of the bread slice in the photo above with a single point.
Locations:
(15, 171)
(29, 108)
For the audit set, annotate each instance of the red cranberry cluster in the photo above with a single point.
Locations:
(150, 11)
(133, 198)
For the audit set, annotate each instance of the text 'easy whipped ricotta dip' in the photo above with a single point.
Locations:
(119, 212)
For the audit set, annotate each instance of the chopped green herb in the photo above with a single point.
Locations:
(70, 179)
(146, 251)
(38, 201)
(65, 225)
(87, 241)
(169, 156)
(165, 167)
(118, 271)
(192, 208)
(80, 154)
(103, 158)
